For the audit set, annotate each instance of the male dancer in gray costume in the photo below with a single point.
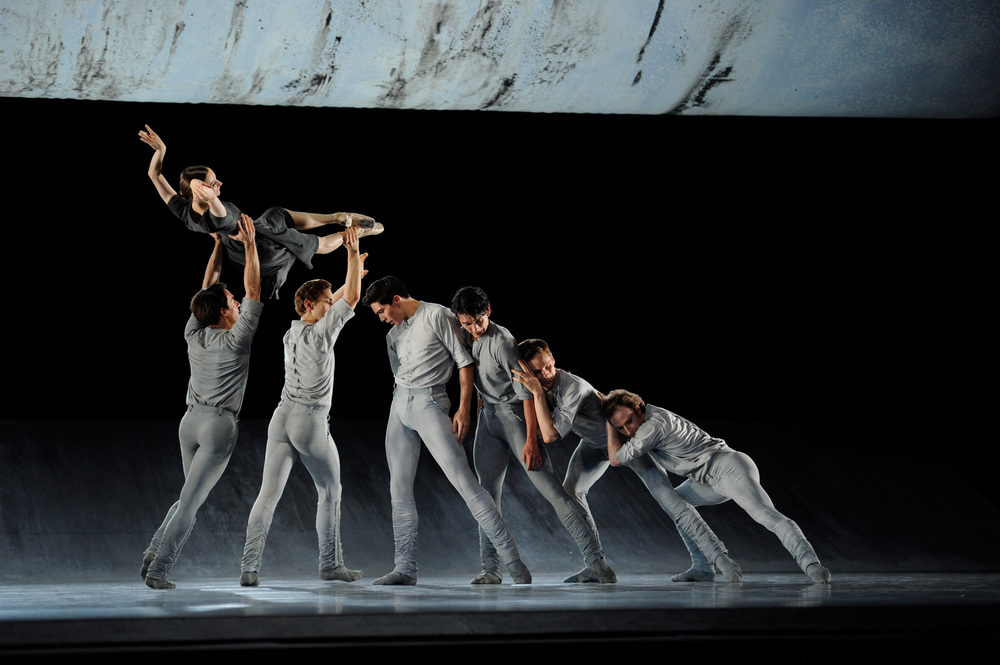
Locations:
(715, 472)
(576, 407)
(218, 333)
(507, 424)
(424, 346)
(300, 424)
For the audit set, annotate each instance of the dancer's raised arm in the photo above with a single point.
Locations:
(213, 272)
(351, 290)
(251, 273)
(155, 172)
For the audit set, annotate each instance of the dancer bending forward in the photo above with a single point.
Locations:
(424, 345)
(566, 403)
(715, 472)
(507, 424)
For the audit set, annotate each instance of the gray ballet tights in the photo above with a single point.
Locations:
(588, 464)
(298, 431)
(207, 441)
(500, 431)
(422, 414)
(733, 475)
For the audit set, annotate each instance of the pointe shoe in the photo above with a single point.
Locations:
(249, 578)
(355, 219)
(374, 230)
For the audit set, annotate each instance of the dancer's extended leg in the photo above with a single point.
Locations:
(698, 537)
(310, 220)
(738, 479)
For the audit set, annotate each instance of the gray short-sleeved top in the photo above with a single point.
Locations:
(680, 446)
(576, 407)
(495, 355)
(279, 243)
(309, 358)
(207, 223)
(220, 359)
(424, 349)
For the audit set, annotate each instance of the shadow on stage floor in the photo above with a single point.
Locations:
(80, 500)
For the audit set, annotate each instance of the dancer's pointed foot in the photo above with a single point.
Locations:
(694, 575)
(519, 572)
(395, 578)
(154, 583)
(729, 568)
(341, 573)
(355, 219)
(249, 578)
(372, 230)
(819, 573)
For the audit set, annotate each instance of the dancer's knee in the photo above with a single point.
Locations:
(328, 494)
(573, 487)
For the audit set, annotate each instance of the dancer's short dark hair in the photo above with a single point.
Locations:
(310, 291)
(530, 348)
(470, 301)
(383, 289)
(620, 397)
(207, 304)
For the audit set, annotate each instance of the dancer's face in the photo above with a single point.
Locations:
(322, 304)
(475, 325)
(626, 420)
(391, 313)
(544, 367)
(232, 312)
(212, 181)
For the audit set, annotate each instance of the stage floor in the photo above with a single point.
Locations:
(81, 499)
(783, 615)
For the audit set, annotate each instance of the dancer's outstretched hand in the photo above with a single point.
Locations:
(351, 239)
(152, 139)
(247, 231)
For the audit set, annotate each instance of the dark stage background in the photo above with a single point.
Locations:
(737, 267)
(771, 270)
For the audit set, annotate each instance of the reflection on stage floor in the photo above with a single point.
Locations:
(780, 614)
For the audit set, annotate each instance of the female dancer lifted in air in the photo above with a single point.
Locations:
(279, 239)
